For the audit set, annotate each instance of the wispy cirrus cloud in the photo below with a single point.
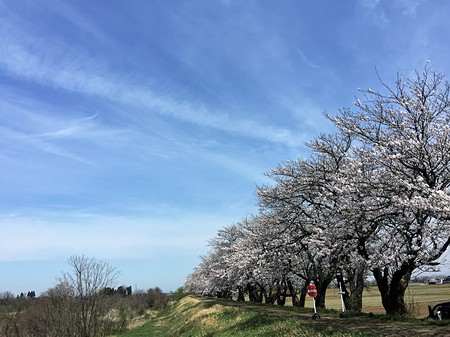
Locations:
(54, 64)
(28, 125)
(27, 141)
(371, 4)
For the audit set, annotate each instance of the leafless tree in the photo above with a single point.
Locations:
(84, 284)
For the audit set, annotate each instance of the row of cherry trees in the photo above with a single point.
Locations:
(371, 200)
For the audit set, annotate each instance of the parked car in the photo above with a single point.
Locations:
(432, 281)
(439, 311)
(446, 280)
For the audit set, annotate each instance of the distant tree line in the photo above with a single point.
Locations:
(30, 294)
(121, 290)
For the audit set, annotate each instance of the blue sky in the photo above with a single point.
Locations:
(131, 131)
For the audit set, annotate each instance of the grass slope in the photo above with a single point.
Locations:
(192, 317)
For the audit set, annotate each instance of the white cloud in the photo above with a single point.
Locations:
(106, 237)
(409, 7)
(52, 64)
(371, 4)
(29, 125)
(306, 60)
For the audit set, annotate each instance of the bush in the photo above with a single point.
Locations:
(156, 298)
(179, 294)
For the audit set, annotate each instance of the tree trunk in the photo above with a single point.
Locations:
(254, 294)
(293, 291)
(223, 294)
(241, 297)
(269, 296)
(321, 286)
(353, 299)
(281, 293)
(303, 293)
(393, 291)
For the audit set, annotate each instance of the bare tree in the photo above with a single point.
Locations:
(85, 283)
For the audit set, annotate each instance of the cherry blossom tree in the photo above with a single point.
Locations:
(372, 196)
(217, 275)
(402, 145)
(310, 196)
(273, 260)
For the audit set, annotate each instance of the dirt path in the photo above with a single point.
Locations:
(354, 324)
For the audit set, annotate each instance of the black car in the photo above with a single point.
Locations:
(439, 311)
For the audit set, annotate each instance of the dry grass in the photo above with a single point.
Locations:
(210, 317)
(203, 316)
(420, 295)
(139, 321)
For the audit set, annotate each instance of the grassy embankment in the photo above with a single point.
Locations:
(192, 317)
